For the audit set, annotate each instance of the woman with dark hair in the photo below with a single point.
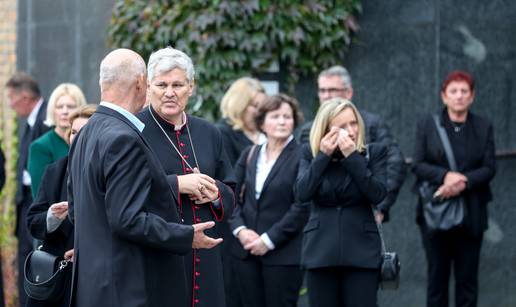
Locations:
(472, 143)
(343, 179)
(268, 220)
(47, 216)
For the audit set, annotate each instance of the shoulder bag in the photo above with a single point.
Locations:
(441, 214)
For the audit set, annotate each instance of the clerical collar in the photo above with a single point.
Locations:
(176, 127)
(31, 119)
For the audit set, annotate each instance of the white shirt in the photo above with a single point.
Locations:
(130, 116)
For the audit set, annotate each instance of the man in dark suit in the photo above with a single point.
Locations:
(336, 82)
(128, 235)
(24, 97)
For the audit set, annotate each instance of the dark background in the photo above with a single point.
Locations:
(402, 52)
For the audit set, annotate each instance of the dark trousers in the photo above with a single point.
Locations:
(263, 285)
(25, 244)
(443, 250)
(342, 287)
(233, 298)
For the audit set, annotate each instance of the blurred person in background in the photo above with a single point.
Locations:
(192, 154)
(53, 145)
(47, 218)
(24, 97)
(472, 143)
(238, 108)
(344, 180)
(269, 221)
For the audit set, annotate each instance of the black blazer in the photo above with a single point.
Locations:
(52, 190)
(341, 230)
(235, 141)
(23, 194)
(276, 212)
(430, 164)
(128, 236)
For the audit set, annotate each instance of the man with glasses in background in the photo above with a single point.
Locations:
(336, 82)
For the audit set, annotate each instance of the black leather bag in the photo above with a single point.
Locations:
(45, 276)
(441, 214)
(390, 271)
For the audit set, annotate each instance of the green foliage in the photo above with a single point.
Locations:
(228, 39)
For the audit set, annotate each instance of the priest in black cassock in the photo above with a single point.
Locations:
(192, 153)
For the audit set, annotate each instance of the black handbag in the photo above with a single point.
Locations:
(390, 267)
(441, 214)
(45, 276)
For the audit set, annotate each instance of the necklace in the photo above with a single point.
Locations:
(174, 145)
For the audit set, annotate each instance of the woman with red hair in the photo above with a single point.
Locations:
(471, 138)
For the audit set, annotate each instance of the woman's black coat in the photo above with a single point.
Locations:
(341, 230)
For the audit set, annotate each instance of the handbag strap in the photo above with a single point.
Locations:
(378, 225)
(446, 143)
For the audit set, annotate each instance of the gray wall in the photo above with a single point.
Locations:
(63, 41)
(403, 51)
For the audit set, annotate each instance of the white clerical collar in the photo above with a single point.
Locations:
(130, 116)
(31, 120)
(179, 127)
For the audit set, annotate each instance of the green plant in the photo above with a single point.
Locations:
(229, 39)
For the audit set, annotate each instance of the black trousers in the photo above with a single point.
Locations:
(342, 287)
(268, 285)
(453, 248)
(233, 298)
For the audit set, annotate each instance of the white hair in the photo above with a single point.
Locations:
(339, 71)
(166, 59)
(125, 71)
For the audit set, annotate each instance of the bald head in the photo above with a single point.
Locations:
(121, 74)
(121, 67)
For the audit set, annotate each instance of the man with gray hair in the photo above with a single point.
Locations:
(129, 237)
(336, 82)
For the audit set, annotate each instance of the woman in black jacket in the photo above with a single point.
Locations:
(472, 143)
(343, 179)
(47, 216)
(268, 221)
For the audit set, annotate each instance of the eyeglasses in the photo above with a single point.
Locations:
(332, 90)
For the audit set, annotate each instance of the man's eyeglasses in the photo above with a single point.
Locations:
(332, 90)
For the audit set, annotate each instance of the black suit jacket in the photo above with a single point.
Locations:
(128, 239)
(341, 230)
(37, 130)
(52, 190)
(235, 141)
(430, 164)
(276, 212)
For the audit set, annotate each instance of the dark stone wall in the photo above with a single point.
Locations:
(63, 41)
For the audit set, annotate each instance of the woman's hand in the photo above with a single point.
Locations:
(329, 141)
(454, 184)
(246, 236)
(346, 144)
(59, 210)
(198, 186)
(257, 247)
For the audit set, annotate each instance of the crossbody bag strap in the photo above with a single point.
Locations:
(446, 143)
(378, 225)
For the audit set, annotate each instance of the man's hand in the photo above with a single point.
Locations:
(196, 184)
(68, 255)
(257, 247)
(200, 240)
(378, 217)
(59, 210)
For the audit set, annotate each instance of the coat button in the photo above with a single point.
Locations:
(197, 274)
(197, 219)
(196, 287)
(197, 259)
(182, 144)
(185, 156)
(196, 301)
